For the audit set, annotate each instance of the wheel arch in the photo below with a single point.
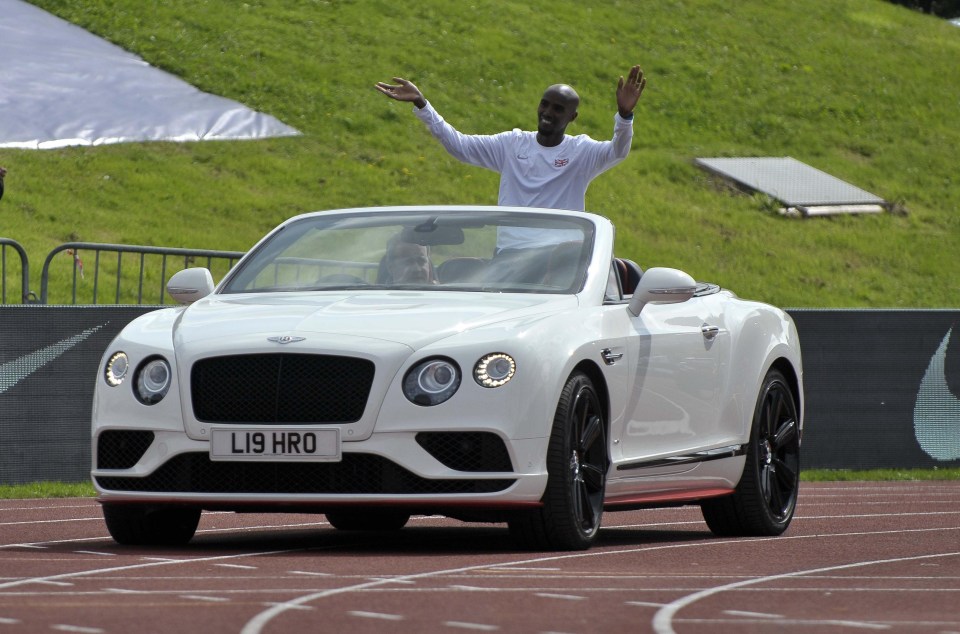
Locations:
(595, 374)
(788, 371)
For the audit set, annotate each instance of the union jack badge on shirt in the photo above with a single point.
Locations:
(560, 162)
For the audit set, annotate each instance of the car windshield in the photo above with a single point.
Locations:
(487, 251)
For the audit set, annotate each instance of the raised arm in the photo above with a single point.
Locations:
(404, 90)
(629, 91)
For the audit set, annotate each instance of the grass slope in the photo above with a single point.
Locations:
(862, 89)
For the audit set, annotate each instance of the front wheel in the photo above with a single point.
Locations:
(764, 501)
(577, 462)
(141, 525)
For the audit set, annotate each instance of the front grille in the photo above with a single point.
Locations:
(355, 474)
(122, 449)
(280, 388)
(467, 451)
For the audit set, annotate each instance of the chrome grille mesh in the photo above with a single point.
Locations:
(280, 388)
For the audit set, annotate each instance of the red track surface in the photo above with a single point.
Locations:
(858, 557)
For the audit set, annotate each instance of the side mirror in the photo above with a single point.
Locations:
(662, 286)
(189, 285)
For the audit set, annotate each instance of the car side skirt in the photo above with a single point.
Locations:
(720, 453)
(661, 498)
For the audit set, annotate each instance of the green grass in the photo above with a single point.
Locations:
(862, 89)
(875, 475)
(46, 490)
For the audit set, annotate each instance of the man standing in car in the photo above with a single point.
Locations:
(546, 168)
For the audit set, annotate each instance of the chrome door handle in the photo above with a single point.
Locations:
(610, 357)
(709, 332)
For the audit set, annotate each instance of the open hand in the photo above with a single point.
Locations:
(403, 90)
(629, 91)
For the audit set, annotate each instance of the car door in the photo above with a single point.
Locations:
(679, 354)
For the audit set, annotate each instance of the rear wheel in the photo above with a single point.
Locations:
(367, 520)
(139, 525)
(764, 501)
(577, 464)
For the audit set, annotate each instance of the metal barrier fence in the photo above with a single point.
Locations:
(142, 283)
(165, 254)
(26, 297)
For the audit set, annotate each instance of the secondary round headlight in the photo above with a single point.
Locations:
(116, 370)
(494, 369)
(431, 382)
(153, 381)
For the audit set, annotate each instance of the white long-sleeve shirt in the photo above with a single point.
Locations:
(532, 175)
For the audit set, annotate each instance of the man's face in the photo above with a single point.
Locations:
(558, 107)
(409, 264)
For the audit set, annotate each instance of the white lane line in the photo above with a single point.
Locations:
(258, 622)
(299, 607)
(392, 580)
(810, 623)
(77, 629)
(310, 573)
(94, 552)
(376, 615)
(644, 604)
(205, 531)
(754, 615)
(6, 621)
(663, 619)
(237, 566)
(65, 521)
(203, 597)
(566, 597)
(473, 589)
(796, 518)
(463, 625)
(56, 579)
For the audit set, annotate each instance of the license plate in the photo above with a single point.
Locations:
(268, 445)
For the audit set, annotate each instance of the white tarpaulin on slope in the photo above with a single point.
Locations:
(61, 85)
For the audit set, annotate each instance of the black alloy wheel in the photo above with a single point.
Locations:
(765, 500)
(577, 462)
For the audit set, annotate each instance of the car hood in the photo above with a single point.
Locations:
(414, 319)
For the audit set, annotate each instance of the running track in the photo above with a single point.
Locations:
(862, 557)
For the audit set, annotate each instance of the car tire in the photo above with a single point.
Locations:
(577, 462)
(367, 520)
(765, 499)
(139, 525)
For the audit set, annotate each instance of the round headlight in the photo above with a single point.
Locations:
(494, 369)
(153, 381)
(116, 370)
(431, 382)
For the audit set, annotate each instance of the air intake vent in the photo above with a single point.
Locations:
(122, 449)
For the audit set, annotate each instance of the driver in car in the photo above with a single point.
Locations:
(408, 263)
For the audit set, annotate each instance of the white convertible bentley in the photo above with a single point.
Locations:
(484, 363)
